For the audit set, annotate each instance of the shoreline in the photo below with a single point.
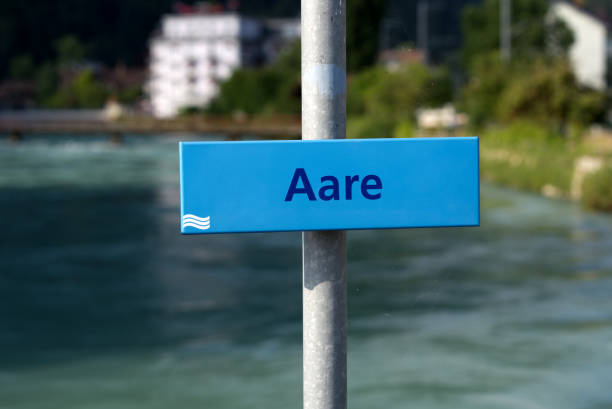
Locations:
(577, 169)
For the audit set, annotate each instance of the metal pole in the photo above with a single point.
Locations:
(324, 252)
(505, 27)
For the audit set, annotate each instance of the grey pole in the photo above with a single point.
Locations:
(505, 28)
(324, 252)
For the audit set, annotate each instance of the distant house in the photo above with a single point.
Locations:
(592, 47)
(441, 118)
(196, 51)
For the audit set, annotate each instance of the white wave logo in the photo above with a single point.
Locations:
(200, 223)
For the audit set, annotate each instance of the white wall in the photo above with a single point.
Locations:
(200, 26)
(588, 54)
(192, 56)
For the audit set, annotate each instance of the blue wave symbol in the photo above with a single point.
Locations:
(200, 223)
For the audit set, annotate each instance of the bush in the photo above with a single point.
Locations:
(479, 97)
(85, 91)
(404, 129)
(358, 85)
(369, 127)
(382, 103)
(523, 134)
(527, 156)
(248, 90)
(541, 90)
(270, 90)
(399, 93)
(128, 94)
(597, 190)
(190, 110)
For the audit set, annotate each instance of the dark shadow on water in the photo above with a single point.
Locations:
(85, 272)
(69, 281)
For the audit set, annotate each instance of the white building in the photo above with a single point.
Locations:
(589, 52)
(194, 53)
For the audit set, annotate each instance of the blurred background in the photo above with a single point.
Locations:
(103, 304)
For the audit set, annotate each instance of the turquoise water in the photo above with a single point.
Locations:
(104, 305)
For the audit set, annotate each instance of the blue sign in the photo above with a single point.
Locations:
(232, 187)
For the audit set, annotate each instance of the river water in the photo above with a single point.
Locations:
(103, 304)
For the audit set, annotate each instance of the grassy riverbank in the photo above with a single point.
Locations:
(528, 157)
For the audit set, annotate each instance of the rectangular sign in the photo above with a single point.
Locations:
(231, 187)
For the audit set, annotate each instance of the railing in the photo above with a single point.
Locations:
(16, 126)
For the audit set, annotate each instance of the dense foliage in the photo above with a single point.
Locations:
(67, 80)
(114, 31)
(542, 89)
(383, 103)
(528, 156)
(269, 90)
(537, 83)
(117, 31)
(529, 110)
(533, 32)
(597, 189)
(48, 44)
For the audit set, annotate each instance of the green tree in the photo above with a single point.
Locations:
(597, 189)
(543, 90)
(533, 32)
(69, 50)
(83, 92)
(480, 96)
(88, 91)
(398, 94)
(248, 90)
(382, 103)
(114, 31)
(537, 84)
(129, 94)
(269, 90)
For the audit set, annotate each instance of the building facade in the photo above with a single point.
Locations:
(194, 53)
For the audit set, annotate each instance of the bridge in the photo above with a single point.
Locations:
(18, 124)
